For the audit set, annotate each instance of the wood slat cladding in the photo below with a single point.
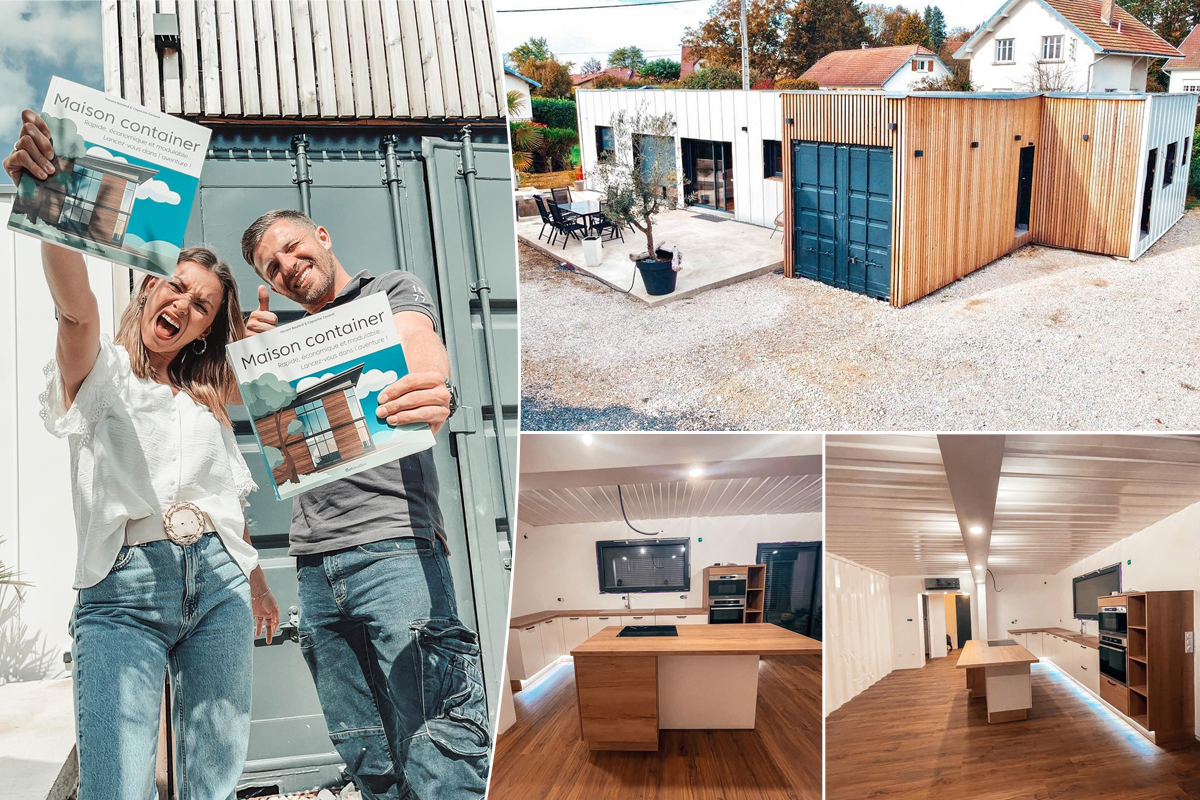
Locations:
(341, 421)
(1088, 189)
(309, 59)
(956, 208)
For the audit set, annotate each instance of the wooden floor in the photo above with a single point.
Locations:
(914, 735)
(542, 755)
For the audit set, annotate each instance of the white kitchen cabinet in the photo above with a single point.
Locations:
(1091, 674)
(552, 640)
(575, 633)
(637, 619)
(1020, 639)
(1034, 643)
(529, 641)
(597, 624)
(681, 619)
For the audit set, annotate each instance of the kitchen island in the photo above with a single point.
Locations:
(706, 677)
(999, 670)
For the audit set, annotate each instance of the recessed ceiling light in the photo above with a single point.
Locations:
(976, 529)
(695, 472)
(587, 438)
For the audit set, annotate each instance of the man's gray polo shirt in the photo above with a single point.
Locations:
(392, 500)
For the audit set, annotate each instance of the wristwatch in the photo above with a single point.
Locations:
(453, 390)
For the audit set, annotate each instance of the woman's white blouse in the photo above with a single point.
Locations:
(136, 449)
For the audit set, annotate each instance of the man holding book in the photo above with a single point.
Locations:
(396, 670)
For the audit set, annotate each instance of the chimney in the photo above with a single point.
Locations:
(1106, 12)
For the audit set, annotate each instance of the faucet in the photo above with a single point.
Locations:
(1081, 627)
(628, 602)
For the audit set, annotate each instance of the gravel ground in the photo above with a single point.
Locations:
(1041, 340)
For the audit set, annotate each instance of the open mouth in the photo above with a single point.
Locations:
(166, 326)
(300, 282)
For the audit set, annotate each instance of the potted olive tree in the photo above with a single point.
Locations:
(638, 180)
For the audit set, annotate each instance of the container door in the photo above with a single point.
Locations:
(868, 198)
(815, 203)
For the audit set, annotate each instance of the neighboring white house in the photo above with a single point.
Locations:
(516, 82)
(728, 151)
(1185, 73)
(888, 69)
(1063, 45)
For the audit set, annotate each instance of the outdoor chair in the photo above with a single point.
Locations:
(545, 215)
(561, 195)
(778, 224)
(601, 223)
(566, 223)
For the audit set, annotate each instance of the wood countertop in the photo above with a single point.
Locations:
(978, 654)
(542, 616)
(1063, 633)
(758, 638)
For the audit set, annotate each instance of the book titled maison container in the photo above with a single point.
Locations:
(123, 183)
(311, 389)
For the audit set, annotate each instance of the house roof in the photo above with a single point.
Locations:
(341, 381)
(687, 62)
(1126, 35)
(514, 73)
(1190, 47)
(130, 172)
(623, 73)
(864, 67)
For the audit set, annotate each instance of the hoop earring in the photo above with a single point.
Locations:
(142, 303)
(203, 346)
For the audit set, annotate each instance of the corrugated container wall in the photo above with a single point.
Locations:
(858, 630)
(1170, 120)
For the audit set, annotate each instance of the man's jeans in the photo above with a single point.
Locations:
(163, 607)
(396, 670)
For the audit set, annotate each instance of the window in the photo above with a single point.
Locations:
(1052, 48)
(319, 438)
(644, 565)
(1004, 51)
(792, 596)
(604, 141)
(1191, 86)
(772, 159)
(1169, 164)
(922, 65)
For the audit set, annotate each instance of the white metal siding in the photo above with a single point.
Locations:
(1170, 118)
(858, 638)
(711, 115)
(311, 59)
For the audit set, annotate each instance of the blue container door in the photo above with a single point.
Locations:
(843, 211)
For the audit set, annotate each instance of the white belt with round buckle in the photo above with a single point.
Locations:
(183, 523)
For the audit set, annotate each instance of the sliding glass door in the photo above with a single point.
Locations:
(793, 592)
(708, 169)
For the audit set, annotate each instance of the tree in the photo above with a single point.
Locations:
(554, 77)
(718, 41)
(536, 49)
(591, 67)
(912, 30)
(661, 69)
(266, 397)
(1046, 77)
(799, 84)
(892, 21)
(935, 25)
(525, 138)
(635, 177)
(627, 58)
(829, 25)
(713, 78)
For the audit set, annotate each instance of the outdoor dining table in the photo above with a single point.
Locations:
(584, 209)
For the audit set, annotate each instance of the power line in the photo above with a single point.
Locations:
(609, 6)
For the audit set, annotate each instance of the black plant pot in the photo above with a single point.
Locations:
(657, 275)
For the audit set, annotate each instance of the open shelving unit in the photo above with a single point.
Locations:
(756, 585)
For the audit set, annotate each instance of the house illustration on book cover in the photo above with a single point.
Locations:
(90, 197)
(314, 429)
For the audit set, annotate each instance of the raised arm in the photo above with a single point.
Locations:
(421, 395)
(78, 313)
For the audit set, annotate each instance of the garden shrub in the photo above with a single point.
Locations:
(555, 112)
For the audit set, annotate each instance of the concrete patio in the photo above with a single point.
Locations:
(717, 251)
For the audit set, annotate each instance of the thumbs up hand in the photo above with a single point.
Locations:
(262, 319)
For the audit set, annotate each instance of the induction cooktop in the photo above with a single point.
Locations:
(1001, 642)
(648, 630)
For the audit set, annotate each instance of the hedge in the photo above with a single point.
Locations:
(554, 112)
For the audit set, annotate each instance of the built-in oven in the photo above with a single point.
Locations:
(724, 586)
(1112, 657)
(1112, 620)
(726, 612)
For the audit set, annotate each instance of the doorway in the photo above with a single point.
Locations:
(1148, 192)
(708, 169)
(925, 621)
(962, 611)
(1025, 188)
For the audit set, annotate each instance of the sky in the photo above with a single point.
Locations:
(37, 41)
(582, 34)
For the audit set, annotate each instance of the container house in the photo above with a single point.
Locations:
(727, 149)
(897, 195)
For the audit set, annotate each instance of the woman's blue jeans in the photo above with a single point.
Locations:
(163, 609)
(397, 672)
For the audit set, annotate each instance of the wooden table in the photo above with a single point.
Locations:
(628, 689)
(1001, 674)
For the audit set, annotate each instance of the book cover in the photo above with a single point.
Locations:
(123, 184)
(311, 388)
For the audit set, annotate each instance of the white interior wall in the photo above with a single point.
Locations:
(555, 565)
(858, 629)
(937, 625)
(508, 711)
(908, 629)
(707, 115)
(1022, 602)
(35, 482)
(1169, 119)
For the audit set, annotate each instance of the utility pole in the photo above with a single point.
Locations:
(745, 52)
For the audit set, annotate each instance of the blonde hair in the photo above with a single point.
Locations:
(206, 377)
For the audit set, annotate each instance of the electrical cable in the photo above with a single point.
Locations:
(627, 522)
(994, 586)
(588, 8)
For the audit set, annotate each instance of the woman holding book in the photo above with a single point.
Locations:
(167, 579)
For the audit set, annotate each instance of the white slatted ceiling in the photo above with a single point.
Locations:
(791, 494)
(316, 59)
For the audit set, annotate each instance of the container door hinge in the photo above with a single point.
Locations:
(464, 420)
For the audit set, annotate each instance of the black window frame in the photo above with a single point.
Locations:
(686, 543)
(1169, 164)
(601, 150)
(816, 604)
(772, 161)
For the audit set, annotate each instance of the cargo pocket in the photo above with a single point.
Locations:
(452, 686)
